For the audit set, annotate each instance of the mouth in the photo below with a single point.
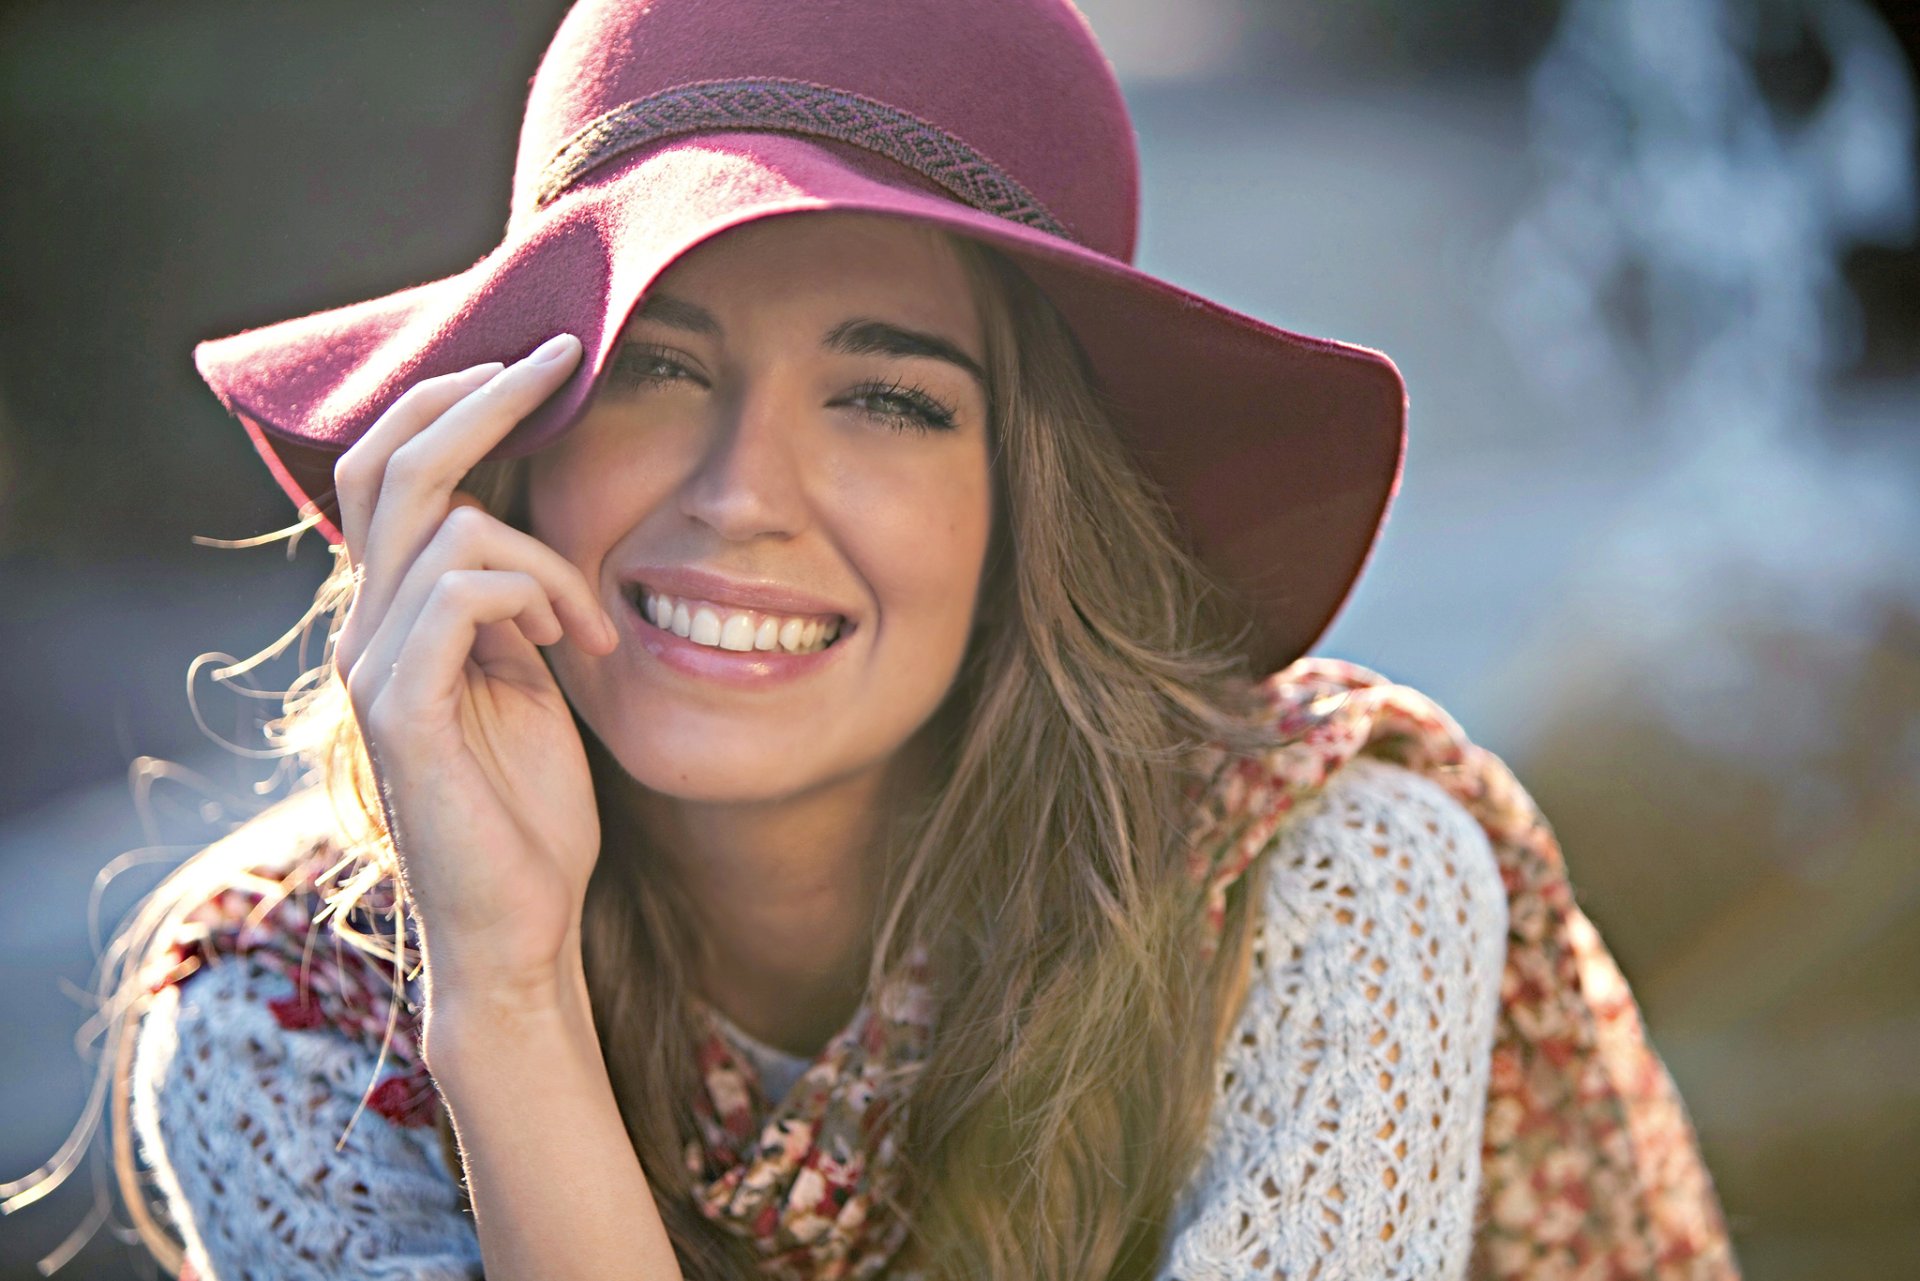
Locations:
(717, 625)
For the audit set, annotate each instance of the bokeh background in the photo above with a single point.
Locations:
(1648, 266)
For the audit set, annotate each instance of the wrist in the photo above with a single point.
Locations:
(468, 1011)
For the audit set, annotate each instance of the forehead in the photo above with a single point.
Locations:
(830, 262)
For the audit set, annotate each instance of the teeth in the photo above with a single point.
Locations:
(738, 633)
(738, 630)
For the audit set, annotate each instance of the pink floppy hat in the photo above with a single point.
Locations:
(652, 125)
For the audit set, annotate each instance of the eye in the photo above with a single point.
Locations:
(903, 406)
(637, 364)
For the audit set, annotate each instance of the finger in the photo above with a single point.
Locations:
(357, 472)
(400, 499)
(471, 539)
(402, 700)
(422, 471)
(497, 646)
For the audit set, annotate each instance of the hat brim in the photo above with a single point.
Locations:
(1279, 452)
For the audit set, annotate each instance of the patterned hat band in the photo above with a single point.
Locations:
(799, 107)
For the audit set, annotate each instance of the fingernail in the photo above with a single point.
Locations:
(478, 374)
(552, 349)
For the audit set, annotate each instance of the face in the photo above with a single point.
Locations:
(791, 442)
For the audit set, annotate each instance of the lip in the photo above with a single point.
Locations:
(742, 669)
(771, 598)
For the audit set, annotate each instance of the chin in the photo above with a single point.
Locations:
(728, 768)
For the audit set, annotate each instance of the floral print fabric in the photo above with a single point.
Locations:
(812, 1180)
(1589, 1167)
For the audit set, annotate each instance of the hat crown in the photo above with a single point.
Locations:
(1022, 83)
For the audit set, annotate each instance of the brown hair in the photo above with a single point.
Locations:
(1068, 1085)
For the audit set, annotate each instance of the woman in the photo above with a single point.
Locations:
(792, 794)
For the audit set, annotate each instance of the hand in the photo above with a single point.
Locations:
(481, 769)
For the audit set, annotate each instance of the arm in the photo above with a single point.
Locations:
(490, 805)
(557, 1190)
(1347, 1126)
(238, 1119)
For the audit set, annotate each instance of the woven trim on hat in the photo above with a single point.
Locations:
(802, 107)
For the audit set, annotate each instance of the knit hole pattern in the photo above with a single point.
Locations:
(1350, 1098)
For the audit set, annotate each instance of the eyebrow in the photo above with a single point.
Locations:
(857, 337)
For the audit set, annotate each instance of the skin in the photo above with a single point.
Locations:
(752, 451)
(773, 460)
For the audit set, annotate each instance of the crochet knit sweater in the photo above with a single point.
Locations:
(1344, 1139)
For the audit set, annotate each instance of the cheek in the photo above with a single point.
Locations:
(922, 540)
(579, 501)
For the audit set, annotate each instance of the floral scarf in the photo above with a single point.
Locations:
(1588, 1167)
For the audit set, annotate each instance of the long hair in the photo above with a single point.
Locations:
(1068, 1084)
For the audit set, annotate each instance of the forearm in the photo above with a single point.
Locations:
(557, 1191)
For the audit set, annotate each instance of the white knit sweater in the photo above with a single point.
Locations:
(1344, 1140)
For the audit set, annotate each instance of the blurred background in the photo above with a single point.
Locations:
(1649, 267)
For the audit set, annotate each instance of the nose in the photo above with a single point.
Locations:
(747, 483)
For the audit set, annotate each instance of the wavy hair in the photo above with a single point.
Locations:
(1068, 1084)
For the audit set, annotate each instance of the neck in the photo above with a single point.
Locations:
(782, 895)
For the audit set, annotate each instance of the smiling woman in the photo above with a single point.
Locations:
(753, 481)
(801, 453)
(813, 772)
